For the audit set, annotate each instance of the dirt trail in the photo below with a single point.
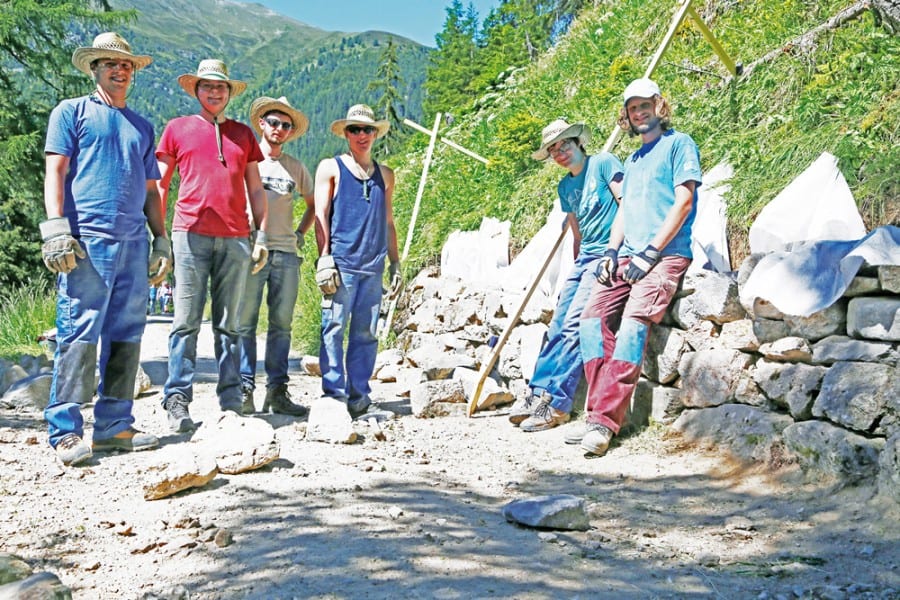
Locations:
(419, 516)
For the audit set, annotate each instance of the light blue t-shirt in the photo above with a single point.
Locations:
(648, 191)
(111, 155)
(587, 196)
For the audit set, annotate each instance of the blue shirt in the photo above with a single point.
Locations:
(111, 155)
(359, 222)
(587, 196)
(648, 192)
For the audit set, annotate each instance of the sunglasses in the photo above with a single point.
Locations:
(357, 129)
(275, 124)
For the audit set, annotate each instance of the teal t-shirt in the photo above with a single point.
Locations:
(648, 192)
(587, 196)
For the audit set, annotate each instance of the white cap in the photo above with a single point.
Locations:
(641, 88)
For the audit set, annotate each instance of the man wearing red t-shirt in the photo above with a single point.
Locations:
(216, 158)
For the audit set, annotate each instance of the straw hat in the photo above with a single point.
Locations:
(107, 45)
(641, 88)
(264, 104)
(560, 130)
(360, 114)
(210, 69)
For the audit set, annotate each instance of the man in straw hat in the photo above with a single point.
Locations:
(100, 195)
(590, 194)
(217, 159)
(283, 178)
(649, 251)
(354, 232)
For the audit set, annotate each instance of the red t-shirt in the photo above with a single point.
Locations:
(212, 198)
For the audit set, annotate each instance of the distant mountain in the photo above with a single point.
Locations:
(321, 72)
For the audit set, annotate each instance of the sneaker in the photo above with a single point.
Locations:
(522, 408)
(72, 450)
(278, 400)
(575, 433)
(359, 408)
(544, 417)
(248, 407)
(176, 407)
(596, 439)
(130, 440)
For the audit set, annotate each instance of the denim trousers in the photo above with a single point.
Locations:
(559, 368)
(102, 301)
(222, 264)
(615, 325)
(355, 305)
(281, 278)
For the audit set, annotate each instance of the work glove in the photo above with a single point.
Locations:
(59, 249)
(260, 253)
(606, 268)
(160, 260)
(641, 264)
(300, 243)
(396, 279)
(327, 277)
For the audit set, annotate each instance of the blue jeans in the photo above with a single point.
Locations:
(103, 301)
(223, 263)
(559, 365)
(281, 276)
(356, 303)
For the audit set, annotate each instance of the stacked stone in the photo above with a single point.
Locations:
(821, 391)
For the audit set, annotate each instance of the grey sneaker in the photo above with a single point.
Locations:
(72, 450)
(130, 440)
(247, 406)
(544, 417)
(278, 400)
(176, 407)
(522, 408)
(575, 433)
(596, 440)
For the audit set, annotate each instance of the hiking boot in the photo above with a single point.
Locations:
(596, 440)
(72, 450)
(247, 405)
(358, 408)
(575, 433)
(176, 407)
(522, 408)
(278, 400)
(544, 417)
(130, 440)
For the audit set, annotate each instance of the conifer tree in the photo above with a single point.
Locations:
(387, 84)
(453, 64)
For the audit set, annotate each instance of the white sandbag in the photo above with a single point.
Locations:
(709, 243)
(817, 205)
(475, 256)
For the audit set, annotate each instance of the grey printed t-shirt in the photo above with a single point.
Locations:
(284, 178)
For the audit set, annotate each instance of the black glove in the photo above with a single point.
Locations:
(641, 264)
(607, 267)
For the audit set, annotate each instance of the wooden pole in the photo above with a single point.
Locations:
(444, 140)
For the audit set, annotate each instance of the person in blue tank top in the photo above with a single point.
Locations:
(589, 194)
(100, 195)
(649, 251)
(355, 231)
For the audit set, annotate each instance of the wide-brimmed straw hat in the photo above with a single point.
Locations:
(560, 130)
(107, 45)
(264, 104)
(210, 69)
(360, 114)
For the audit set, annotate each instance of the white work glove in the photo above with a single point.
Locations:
(260, 253)
(59, 249)
(300, 243)
(396, 278)
(160, 260)
(327, 277)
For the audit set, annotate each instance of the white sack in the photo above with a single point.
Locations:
(709, 243)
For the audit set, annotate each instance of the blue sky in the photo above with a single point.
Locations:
(418, 20)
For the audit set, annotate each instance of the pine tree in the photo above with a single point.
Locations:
(453, 65)
(387, 85)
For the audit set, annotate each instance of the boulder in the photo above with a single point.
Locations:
(738, 335)
(787, 349)
(714, 298)
(838, 348)
(874, 317)
(239, 444)
(889, 468)
(792, 386)
(438, 398)
(43, 586)
(855, 394)
(889, 275)
(330, 421)
(177, 468)
(549, 512)
(828, 321)
(31, 393)
(710, 377)
(750, 434)
(823, 449)
(665, 347)
(769, 330)
(862, 286)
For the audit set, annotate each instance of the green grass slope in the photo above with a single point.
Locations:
(837, 93)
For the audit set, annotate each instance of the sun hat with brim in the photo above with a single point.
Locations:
(210, 69)
(560, 130)
(360, 114)
(264, 105)
(107, 45)
(641, 88)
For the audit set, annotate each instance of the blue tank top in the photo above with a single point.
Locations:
(359, 222)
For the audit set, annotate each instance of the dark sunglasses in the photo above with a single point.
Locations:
(356, 129)
(273, 122)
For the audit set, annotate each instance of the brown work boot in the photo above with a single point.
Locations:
(130, 440)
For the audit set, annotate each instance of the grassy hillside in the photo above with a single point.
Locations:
(838, 94)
